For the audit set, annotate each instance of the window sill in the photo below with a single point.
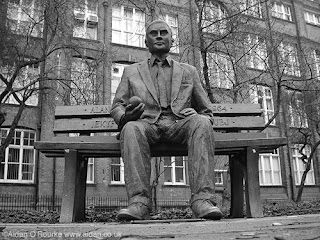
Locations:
(253, 17)
(91, 184)
(219, 188)
(17, 184)
(86, 39)
(271, 186)
(176, 185)
(257, 69)
(298, 127)
(313, 24)
(139, 48)
(129, 46)
(116, 184)
(310, 186)
(288, 21)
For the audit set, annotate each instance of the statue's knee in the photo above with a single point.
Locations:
(131, 128)
(201, 121)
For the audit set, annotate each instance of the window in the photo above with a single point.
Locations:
(289, 59)
(219, 176)
(28, 76)
(19, 161)
(213, 18)
(269, 169)
(220, 70)
(128, 26)
(90, 170)
(263, 96)
(117, 171)
(316, 60)
(312, 18)
(86, 19)
(172, 21)
(251, 8)
(174, 170)
(117, 71)
(83, 82)
(281, 11)
(257, 52)
(25, 17)
(298, 116)
(299, 166)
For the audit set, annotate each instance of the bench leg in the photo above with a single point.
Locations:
(253, 200)
(237, 195)
(74, 188)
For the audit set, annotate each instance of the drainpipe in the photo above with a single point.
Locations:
(192, 33)
(54, 182)
(106, 51)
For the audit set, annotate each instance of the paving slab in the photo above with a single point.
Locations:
(301, 227)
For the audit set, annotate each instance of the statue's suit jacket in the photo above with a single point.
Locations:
(186, 91)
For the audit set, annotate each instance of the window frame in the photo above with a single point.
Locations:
(254, 98)
(30, 15)
(257, 57)
(82, 73)
(221, 173)
(296, 166)
(220, 77)
(281, 11)
(297, 114)
(316, 59)
(209, 16)
(135, 31)
(83, 27)
(289, 57)
(312, 18)
(119, 165)
(173, 168)
(28, 76)
(21, 147)
(251, 8)
(90, 171)
(270, 157)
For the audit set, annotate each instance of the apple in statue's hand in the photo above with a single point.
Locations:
(135, 101)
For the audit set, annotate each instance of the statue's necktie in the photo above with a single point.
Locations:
(162, 86)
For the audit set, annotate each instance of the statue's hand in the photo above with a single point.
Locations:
(188, 112)
(133, 113)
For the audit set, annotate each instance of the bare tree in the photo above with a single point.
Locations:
(30, 53)
(284, 65)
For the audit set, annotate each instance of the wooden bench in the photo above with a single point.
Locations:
(238, 137)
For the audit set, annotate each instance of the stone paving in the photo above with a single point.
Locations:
(301, 227)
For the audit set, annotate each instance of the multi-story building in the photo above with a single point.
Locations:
(248, 46)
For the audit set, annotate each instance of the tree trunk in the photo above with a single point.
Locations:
(2, 117)
(303, 180)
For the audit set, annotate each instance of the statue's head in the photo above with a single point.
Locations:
(158, 37)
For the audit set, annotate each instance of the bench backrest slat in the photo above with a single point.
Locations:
(104, 110)
(96, 118)
(108, 124)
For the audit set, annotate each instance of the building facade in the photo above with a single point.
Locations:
(247, 46)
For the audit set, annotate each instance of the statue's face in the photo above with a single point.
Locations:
(158, 38)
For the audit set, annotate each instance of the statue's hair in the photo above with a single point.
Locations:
(159, 21)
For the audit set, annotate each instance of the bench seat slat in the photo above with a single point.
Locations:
(100, 145)
(107, 124)
(104, 110)
(108, 139)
